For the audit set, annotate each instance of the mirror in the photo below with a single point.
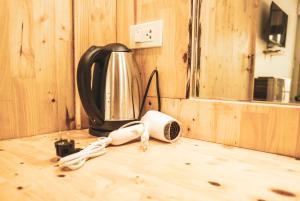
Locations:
(277, 57)
(246, 50)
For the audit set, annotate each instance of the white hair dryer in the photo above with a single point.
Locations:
(154, 124)
(161, 126)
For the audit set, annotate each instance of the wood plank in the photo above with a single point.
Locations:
(185, 170)
(64, 64)
(171, 59)
(94, 24)
(7, 111)
(7, 118)
(298, 141)
(263, 127)
(125, 17)
(5, 81)
(32, 66)
(254, 129)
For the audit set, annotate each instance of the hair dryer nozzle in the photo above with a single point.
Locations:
(161, 126)
(172, 131)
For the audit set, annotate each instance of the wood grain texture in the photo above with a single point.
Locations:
(298, 141)
(171, 59)
(126, 16)
(33, 63)
(94, 24)
(263, 127)
(65, 64)
(227, 49)
(185, 170)
(6, 114)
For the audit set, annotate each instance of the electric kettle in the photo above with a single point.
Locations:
(109, 87)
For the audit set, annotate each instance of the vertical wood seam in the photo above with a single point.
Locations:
(116, 21)
(297, 150)
(73, 64)
(76, 95)
(56, 67)
(135, 11)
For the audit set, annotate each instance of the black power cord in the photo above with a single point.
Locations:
(154, 72)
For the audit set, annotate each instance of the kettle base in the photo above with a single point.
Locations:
(108, 126)
(98, 133)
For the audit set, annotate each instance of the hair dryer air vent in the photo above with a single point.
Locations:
(172, 130)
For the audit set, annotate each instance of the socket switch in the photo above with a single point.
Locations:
(146, 35)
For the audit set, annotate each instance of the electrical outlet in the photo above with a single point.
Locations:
(146, 35)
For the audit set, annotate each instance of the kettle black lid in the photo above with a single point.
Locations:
(117, 47)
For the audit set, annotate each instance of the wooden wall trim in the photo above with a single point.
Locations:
(262, 103)
(262, 127)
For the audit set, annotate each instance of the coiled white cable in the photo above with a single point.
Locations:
(120, 136)
(76, 160)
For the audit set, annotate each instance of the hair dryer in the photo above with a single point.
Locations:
(161, 126)
(154, 124)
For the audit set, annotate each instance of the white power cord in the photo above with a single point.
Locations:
(159, 125)
(76, 160)
(120, 136)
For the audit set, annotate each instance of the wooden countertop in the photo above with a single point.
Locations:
(186, 170)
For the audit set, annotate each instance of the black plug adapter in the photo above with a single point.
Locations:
(65, 147)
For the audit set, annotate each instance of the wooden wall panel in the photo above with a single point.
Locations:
(126, 16)
(64, 64)
(171, 59)
(298, 140)
(6, 107)
(5, 81)
(34, 62)
(94, 24)
(262, 127)
(227, 45)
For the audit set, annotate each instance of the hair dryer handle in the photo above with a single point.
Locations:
(124, 135)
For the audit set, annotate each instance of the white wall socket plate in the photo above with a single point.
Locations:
(146, 35)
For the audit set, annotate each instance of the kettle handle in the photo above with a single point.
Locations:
(92, 55)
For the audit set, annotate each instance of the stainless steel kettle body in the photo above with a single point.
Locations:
(109, 87)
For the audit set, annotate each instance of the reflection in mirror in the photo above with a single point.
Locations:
(222, 50)
(246, 50)
(277, 59)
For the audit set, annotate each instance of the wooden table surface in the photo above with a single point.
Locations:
(186, 170)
